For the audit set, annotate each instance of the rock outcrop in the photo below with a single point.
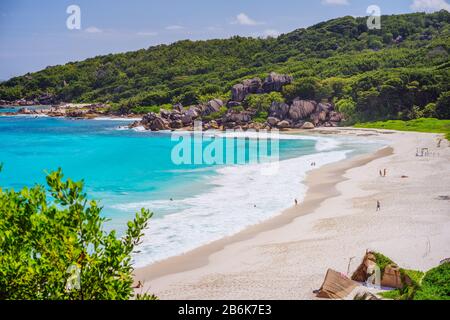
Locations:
(308, 125)
(152, 121)
(274, 82)
(305, 114)
(212, 107)
(249, 86)
(301, 109)
(279, 110)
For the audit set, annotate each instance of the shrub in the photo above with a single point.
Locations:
(52, 246)
(443, 106)
(262, 102)
(435, 284)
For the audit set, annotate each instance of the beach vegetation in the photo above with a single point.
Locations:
(215, 115)
(53, 245)
(418, 125)
(435, 284)
(382, 261)
(431, 285)
(262, 102)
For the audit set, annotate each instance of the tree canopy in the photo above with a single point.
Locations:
(53, 247)
(384, 73)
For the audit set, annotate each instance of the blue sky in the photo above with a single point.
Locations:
(33, 34)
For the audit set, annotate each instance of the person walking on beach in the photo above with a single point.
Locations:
(296, 202)
(385, 173)
(381, 173)
(378, 206)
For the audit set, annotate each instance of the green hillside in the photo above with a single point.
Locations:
(398, 72)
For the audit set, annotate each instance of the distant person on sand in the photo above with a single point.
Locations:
(378, 206)
(385, 173)
(381, 173)
(296, 202)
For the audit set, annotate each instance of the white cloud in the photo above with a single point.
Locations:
(245, 20)
(430, 5)
(147, 33)
(272, 33)
(336, 2)
(93, 30)
(174, 27)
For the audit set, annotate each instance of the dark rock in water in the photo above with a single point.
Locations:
(279, 110)
(301, 109)
(154, 122)
(275, 82)
(24, 111)
(135, 124)
(159, 124)
(149, 117)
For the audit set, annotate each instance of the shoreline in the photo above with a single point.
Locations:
(199, 257)
(286, 257)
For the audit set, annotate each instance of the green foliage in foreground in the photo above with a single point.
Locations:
(419, 125)
(436, 284)
(432, 285)
(53, 247)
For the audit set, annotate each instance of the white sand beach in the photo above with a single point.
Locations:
(287, 257)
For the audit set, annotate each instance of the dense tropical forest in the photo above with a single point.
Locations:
(398, 72)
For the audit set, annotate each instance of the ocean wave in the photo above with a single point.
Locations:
(322, 143)
(116, 119)
(139, 129)
(238, 197)
(26, 115)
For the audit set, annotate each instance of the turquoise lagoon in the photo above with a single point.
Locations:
(127, 170)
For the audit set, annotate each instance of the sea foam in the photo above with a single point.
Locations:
(238, 197)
